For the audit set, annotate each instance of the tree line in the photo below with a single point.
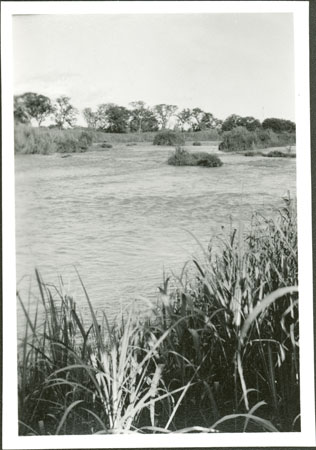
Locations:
(139, 117)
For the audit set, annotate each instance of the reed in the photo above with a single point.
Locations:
(218, 353)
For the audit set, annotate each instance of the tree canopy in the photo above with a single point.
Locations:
(32, 106)
(64, 112)
(279, 125)
(139, 117)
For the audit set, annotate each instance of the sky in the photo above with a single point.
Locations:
(223, 63)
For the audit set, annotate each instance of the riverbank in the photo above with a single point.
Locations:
(219, 351)
(46, 141)
(31, 140)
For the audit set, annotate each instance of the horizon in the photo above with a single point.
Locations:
(222, 63)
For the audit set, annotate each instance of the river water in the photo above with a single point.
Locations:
(122, 216)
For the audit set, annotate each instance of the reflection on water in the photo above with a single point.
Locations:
(121, 216)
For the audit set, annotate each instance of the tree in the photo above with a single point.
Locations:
(218, 123)
(118, 117)
(137, 115)
(90, 117)
(36, 106)
(208, 122)
(21, 114)
(279, 125)
(234, 121)
(112, 118)
(64, 112)
(197, 115)
(184, 118)
(163, 113)
(142, 118)
(102, 116)
(230, 122)
(249, 122)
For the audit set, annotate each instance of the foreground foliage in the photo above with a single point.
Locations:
(219, 351)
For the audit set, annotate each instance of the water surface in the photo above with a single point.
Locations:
(122, 216)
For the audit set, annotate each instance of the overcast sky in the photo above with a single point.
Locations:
(222, 63)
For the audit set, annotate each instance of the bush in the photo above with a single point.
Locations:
(183, 158)
(71, 145)
(238, 139)
(196, 144)
(169, 137)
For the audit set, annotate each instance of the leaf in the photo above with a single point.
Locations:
(65, 415)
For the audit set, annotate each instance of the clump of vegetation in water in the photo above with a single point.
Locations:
(253, 153)
(238, 138)
(182, 157)
(279, 154)
(196, 144)
(220, 351)
(242, 139)
(168, 137)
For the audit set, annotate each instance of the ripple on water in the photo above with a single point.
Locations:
(123, 217)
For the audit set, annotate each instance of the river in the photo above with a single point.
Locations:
(122, 216)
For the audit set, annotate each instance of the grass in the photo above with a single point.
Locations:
(45, 141)
(31, 140)
(183, 158)
(218, 353)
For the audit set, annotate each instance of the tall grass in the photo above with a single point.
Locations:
(30, 140)
(219, 352)
(45, 141)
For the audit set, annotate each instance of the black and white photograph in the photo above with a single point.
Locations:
(157, 278)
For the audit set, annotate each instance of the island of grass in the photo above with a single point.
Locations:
(271, 154)
(182, 157)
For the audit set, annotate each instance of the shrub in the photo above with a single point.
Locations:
(183, 158)
(208, 160)
(196, 144)
(70, 145)
(168, 137)
(238, 139)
